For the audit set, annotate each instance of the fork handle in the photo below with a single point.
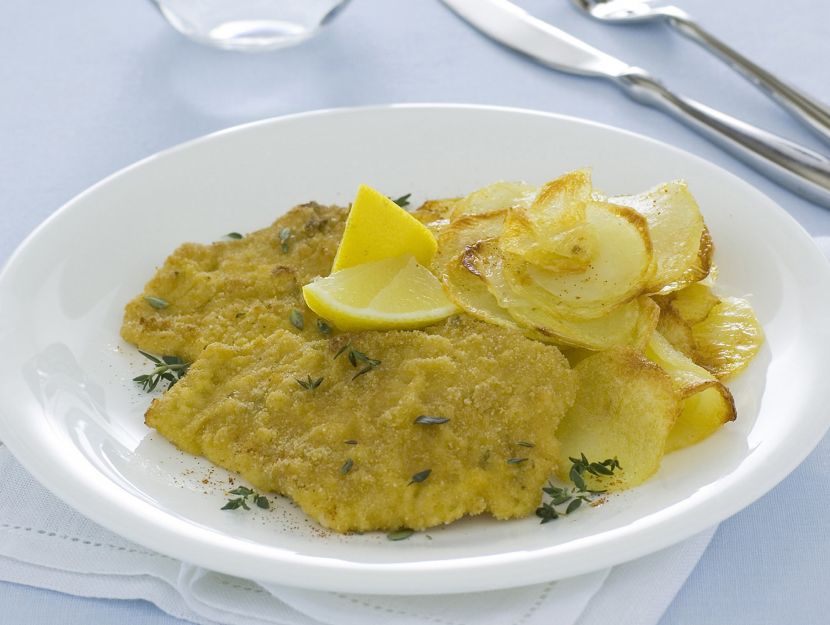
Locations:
(810, 111)
(796, 167)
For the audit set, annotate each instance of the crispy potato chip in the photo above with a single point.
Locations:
(677, 234)
(706, 403)
(552, 232)
(468, 291)
(462, 283)
(435, 214)
(625, 408)
(618, 272)
(720, 335)
(728, 338)
(676, 331)
(692, 303)
(494, 197)
(630, 324)
(464, 232)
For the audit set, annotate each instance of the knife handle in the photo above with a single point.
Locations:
(808, 110)
(796, 167)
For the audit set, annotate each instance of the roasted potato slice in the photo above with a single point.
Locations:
(728, 338)
(494, 197)
(552, 232)
(466, 288)
(625, 408)
(629, 324)
(464, 232)
(677, 234)
(720, 335)
(435, 214)
(618, 271)
(706, 404)
(692, 303)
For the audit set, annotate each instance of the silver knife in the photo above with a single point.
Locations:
(794, 166)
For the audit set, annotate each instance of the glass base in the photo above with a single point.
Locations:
(243, 35)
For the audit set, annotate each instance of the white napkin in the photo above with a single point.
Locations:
(45, 543)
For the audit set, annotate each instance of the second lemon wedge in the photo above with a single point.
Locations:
(385, 294)
(377, 228)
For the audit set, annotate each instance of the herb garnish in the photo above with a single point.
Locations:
(296, 318)
(401, 534)
(351, 441)
(428, 420)
(241, 501)
(347, 466)
(156, 302)
(170, 368)
(285, 234)
(309, 383)
(420, 476)
(323, 326)
(574, 497)
(403, 200)
(233, 235)
(516, 460)
(356, 357)
(525, 444)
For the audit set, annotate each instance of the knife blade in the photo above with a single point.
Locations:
(794, 166)
(515, 28)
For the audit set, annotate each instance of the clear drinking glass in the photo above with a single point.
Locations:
(249, 24)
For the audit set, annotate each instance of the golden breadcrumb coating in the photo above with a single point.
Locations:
(347, 450)
(233, 291)
(241, 406)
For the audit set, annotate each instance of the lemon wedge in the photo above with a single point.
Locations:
(385, 294)
(377, 228)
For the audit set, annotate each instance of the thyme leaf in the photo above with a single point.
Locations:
(358, 358)
(309, 383)
(285, 235)
(324, 327)
(156, 302)
(516, 460)
(401, 534)
(296, 318)
(428, 420)
(347, 466)
(402, 201)
(233, 235)
(420, 476)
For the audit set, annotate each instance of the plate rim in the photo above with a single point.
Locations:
(327, 573)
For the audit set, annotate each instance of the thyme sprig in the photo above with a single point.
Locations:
(309, 383)
(573, 498)
(169, 368)
(242, 500)
(358, 358)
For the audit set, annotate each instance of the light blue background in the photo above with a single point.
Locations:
(89, 87)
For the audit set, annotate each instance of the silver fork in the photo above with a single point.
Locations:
(810, 111)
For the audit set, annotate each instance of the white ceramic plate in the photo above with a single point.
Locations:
(74, 419)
